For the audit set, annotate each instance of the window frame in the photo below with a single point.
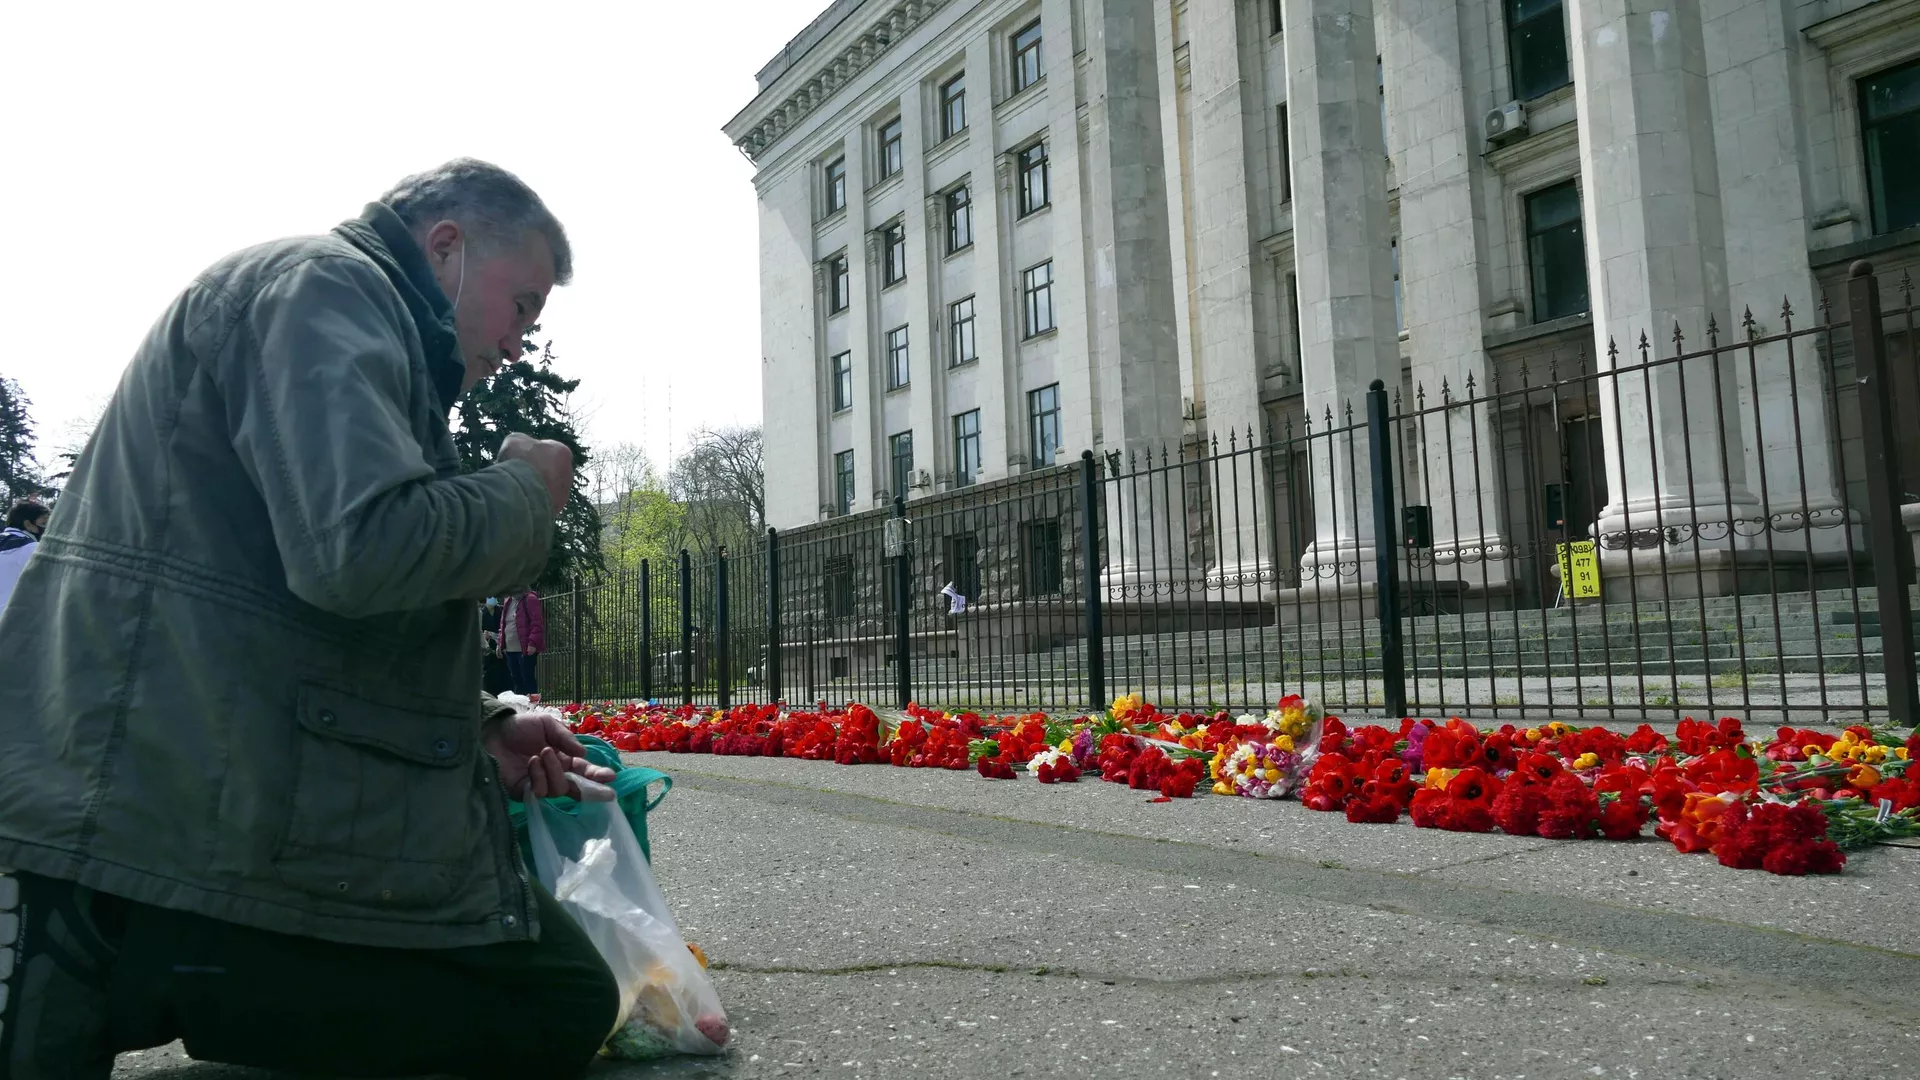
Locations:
(843, 482)
(1535, 235)
(835, 175)
(959, 201)
(958, 328)
(890, 150)
(902, 474)
(1879, 221)
(1038, 421)
(1029, 161)
(1514, 29)
(839, 284)
(962, 564)
(1018, 76)
(967, 463)
(899, 369)
(1029, 308)
(1043, 558)
(841, 375)
(893, 254)
(950, 101)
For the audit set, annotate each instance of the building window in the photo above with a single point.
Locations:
(900, 449)
(1286, 157)
(836, 185)
(960, 319)
(843, 482)
(1556, 248)
(959, 219)
(963, 565)
(1026, 56)
(895, 242)
(1293, 318)
(1399, 305)
(1040, 548)
(837, 574)
(1277, 11)
(839, 285)
(966, 448)
(1380, 79)
(896, 358)
(1890, 128)
(1043, 423)
(890, 148)
(1037, 285)
(843, 382)
(1537, 47)
(953, 106)
(1033, 178)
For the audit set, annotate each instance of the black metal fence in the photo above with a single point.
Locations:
(1703, 528)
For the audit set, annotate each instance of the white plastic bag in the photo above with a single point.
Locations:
(592, 863)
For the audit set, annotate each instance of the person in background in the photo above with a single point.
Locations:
(523, 637)
(26, 523)
(251, 796)
(494, 678)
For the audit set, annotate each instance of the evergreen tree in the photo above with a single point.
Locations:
(19, 475)
(530, 397)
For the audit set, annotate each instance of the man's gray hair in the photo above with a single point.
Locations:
(484, 199)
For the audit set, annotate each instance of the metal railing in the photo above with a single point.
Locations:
(1702, 530)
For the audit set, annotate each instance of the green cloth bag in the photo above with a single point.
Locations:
(631, 786)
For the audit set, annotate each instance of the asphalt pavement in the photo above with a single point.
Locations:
(880, 922)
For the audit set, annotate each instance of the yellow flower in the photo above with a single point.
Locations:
(1586, 761)
(1284, 742)
(1810, 751)
(1558, 728)
(1222, 788)
(1066, 745)
(1876, 754)
(1533, 734)
(1440, 778)
(1272, 775)
(1863, 777)
(1900, 752)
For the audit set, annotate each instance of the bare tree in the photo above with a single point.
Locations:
(722, 484)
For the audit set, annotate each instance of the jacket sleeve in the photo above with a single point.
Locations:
(317, 381)
(536, 624)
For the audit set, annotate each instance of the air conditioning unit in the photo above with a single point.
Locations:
(1506, 123)
(923, 479)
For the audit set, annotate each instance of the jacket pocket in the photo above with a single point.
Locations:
(384, 810)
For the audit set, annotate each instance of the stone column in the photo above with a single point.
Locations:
(988, 262)
(822, 398)
(930, 341)
(1443, 297)
(869, 387)
(1344, 265)
(1224, 331)
(1753, 64)
(1131, 278)
(1074, 360)
(1657, 259)
(922, 220)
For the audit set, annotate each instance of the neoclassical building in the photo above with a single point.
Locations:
(995, 234)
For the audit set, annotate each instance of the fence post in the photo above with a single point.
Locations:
(902, 605)
(646, 631)
(1090, 572)
(686, 628)
(723, 632)
(773, 616)
(1887, 539)
(1393, 670)
(579, 600)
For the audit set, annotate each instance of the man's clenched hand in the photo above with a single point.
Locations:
(552, 460)
(537, 747)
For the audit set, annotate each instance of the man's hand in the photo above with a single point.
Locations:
(552, 460)
(537, 747)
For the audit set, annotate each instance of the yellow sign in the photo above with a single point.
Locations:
(1579, 570)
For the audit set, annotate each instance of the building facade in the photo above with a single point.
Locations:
(996, 234)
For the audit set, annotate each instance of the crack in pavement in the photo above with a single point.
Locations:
(1495, 857)
(1803, 964)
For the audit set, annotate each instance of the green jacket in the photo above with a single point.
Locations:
(241, 677)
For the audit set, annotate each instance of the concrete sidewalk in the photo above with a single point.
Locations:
(889, 922)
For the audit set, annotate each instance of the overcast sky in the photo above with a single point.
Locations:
(146, 140)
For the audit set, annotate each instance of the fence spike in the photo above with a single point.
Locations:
(1493, 383)
(1470, 386)
(1752, 328)
(1713, 332)
(1446, 392)
(1233, 442)
(1826, 309)
(1613, 352)
(1678, 338)
(1786, 315)
(1349, 412)
(1906, 288)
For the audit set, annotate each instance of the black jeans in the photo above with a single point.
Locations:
(523, 668)
(247, 997)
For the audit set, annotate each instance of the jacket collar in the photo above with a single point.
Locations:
(384, 238)
(12, 539)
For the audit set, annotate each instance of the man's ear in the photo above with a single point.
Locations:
(443, 243)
